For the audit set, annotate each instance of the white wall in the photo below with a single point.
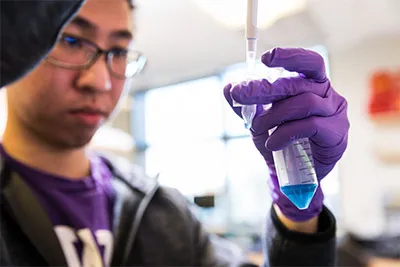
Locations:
(364, 180)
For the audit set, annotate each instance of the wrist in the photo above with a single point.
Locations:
(309, 226)
(326, 229)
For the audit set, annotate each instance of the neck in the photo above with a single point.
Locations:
(26, 148)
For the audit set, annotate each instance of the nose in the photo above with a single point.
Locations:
(96, 78)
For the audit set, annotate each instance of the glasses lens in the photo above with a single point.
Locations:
(127, 64)
(73, 51)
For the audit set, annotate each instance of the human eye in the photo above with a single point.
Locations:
(119, 52)
(71, 41)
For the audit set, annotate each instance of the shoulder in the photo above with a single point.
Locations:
(135, 177)
(128, 173)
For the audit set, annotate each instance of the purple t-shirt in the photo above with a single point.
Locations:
(81, 210)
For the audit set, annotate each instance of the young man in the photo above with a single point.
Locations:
(62, 205)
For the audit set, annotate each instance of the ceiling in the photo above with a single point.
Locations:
(183, 42)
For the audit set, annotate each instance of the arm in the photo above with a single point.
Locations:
(284, 247)
(287, 247)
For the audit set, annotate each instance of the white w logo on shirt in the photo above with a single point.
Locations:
(90, 255)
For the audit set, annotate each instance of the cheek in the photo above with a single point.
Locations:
(58, 83)
(28, 92)
(46, 88)
(119, 88)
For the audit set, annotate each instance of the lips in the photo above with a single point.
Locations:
(89, 116)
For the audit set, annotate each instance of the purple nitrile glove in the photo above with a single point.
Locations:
(305, 106)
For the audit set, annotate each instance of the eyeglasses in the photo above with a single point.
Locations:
(72, 52)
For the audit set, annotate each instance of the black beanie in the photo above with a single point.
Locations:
(29, 29)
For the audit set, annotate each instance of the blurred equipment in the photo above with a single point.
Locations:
(356, 251)
(207, 201)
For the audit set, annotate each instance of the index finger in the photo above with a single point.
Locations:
(263, 92)
(302, 61)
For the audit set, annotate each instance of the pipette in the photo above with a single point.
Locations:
(251, 35)
(294, 164)
(249, 111)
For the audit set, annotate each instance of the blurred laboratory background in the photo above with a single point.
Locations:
(177, 126)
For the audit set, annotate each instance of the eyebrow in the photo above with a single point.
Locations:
(87, 25)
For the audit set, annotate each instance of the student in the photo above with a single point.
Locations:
(63, 205)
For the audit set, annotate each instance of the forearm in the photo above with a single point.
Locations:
(287, 247)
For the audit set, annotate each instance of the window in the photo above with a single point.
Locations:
(184, 112)
(183, 126)
(188, 135)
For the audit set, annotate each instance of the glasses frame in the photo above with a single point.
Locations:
(96, 55)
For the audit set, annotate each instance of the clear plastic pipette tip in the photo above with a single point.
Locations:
(251, 47)
(251, 62)
(249, 111)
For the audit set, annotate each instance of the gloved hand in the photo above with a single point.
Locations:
(302, 106)
(29, 30)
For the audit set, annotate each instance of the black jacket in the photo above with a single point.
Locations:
(153, 226)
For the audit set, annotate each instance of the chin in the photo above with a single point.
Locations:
(76, 141)
(82, 142)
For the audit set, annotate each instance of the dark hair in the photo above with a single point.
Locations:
(131, 4)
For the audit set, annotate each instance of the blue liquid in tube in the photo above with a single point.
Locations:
(296, 173)
(300, 194)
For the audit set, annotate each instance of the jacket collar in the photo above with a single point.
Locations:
(132, 175)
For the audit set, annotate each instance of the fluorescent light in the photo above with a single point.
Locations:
(232, 13)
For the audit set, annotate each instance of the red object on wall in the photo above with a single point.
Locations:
(384, 94)
(384, 113)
